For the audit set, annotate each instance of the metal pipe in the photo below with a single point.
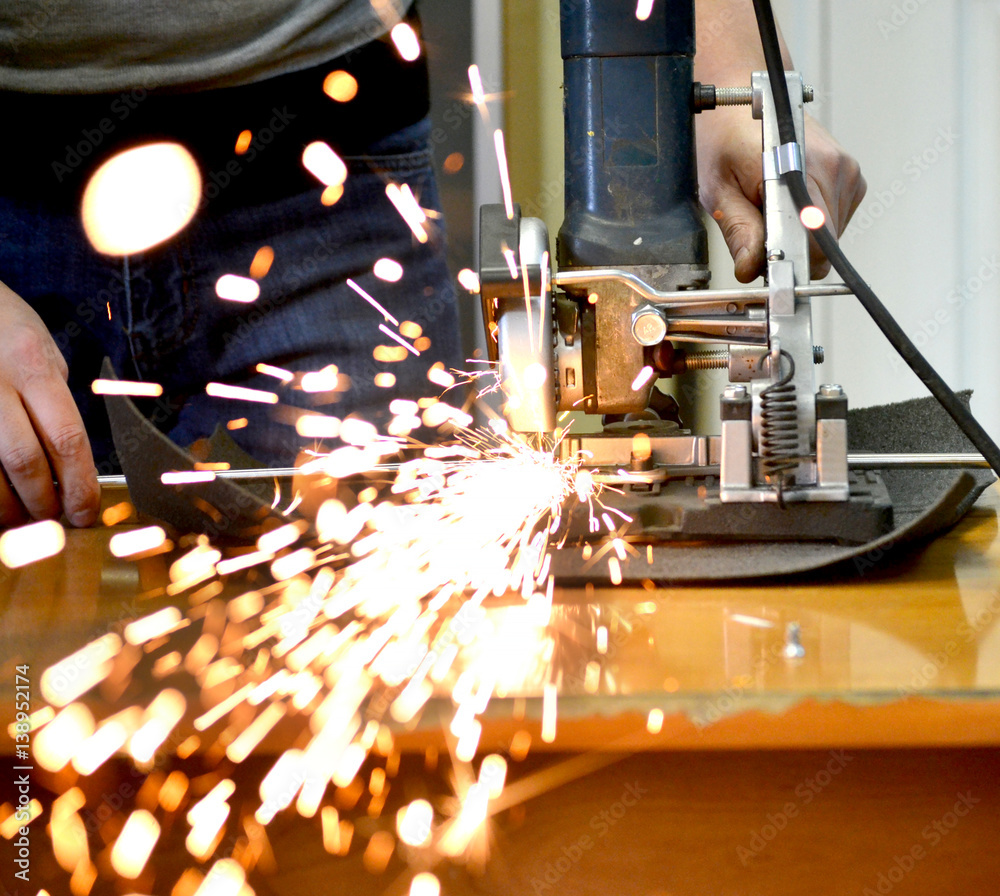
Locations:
(686, 297)
(860, 461)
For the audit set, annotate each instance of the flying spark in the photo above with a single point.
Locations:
(126, 387)
(643, 9)
(508, 202)
(234, 288)
(350, 624)
(405, 39)
(409, 209)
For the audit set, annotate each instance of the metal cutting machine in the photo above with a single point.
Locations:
(627, 301)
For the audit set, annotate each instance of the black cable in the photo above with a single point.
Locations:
(796, 184)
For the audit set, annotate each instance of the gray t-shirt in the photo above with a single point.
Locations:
(95, 46)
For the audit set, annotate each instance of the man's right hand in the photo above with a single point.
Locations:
(42, 436)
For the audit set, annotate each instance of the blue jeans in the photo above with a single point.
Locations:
(158, 318)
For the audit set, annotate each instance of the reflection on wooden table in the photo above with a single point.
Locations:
(821, 675)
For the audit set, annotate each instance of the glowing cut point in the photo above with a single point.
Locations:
(234, 288)
(243, 142)
(31, 543)
(812, 217)
(340, 86)
(388, 269)
(140, 197)
(324, 164)
(385, 380)
(535, 375)
(405, 39)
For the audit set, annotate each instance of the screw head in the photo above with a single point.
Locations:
(734, 392)
(649, 326)
(831, 390)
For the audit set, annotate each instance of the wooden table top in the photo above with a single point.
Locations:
(906, 654)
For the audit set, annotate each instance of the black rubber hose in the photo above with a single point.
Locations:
(902, 343)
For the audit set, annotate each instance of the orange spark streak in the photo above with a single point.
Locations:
(251, 736)
(405, 39)
(654, 722)
(279, 373)
(643, 377)
(234, 288)
(135, 844)
(371, 301)
(153, 626)
(508, 202)
(469, 280)
(31, 543)
(340, 86)
(643, 9)
(324, 164)
(240, 393)
(511, 259)
(207, 719)
(79, 672)
(262, 261)
(409, 209)
(126, 387)
(388, 269)
(548, 713)
(478, 94)
(398, 339)
(187, 477)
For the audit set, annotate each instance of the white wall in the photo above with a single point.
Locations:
(912, 89)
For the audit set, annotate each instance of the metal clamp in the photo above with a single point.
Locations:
(784, 158)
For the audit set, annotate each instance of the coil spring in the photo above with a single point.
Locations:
(779, 429)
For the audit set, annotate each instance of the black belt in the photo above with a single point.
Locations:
(56, 141)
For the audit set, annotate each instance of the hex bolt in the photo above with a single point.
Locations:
(649, 325)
